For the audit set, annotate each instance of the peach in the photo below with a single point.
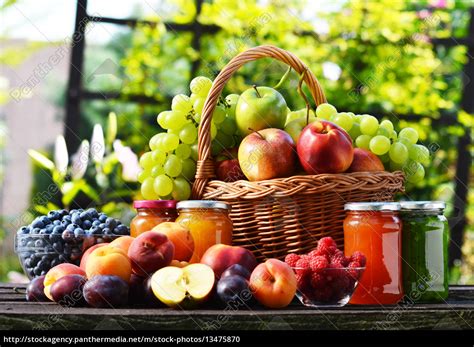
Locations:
(123, 243)
(181, 238)
(56, 273)
(149, 252)
(273, 283)
(82, 265)
(109, 260)
(220, 257)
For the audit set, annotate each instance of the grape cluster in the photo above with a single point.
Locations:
(170, 165)
(398, 151)
(62, 236)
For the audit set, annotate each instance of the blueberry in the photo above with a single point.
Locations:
(23, 230)
(27, 262)
(102, 226)
(37, 224)
(22, 242)
(79, 233)
(95, 230)
(73, 211)
(45, 220)
(58, 229)
(53, 215)
(67, 234)
(33, 260)
(30, 244)
(67, 218)
(76, 219)
(55, 262)
(96, 223)
(44, 265)
(65, 223)
(102, 217)
(58, 247)
(86, 224)
(121, 230)
(92, 212)
(42, 232)
(84, 215)
(57, 222)
(106, 231)
(48, 249)
(39, 243)
(37, 271)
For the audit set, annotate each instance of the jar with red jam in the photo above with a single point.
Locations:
(150, 213)
(375, 229)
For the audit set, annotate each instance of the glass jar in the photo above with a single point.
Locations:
(209, 223)
(150, 213)
(375, 229)
(425, 250)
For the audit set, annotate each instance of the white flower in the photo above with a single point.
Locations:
(331, 71)
(129, 160)
(61, 156)
(80, 160)
(97, 144)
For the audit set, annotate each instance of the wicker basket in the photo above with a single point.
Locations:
(280, 216)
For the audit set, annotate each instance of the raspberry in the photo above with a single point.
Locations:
(291, 259)
(313, 253)
(303, 263)
(323, 294)
(359, 257)
(339, 258)
(317, 280)
(318, 263)
(326, 246)
(303, 280)
(355, 274)
(335, 272)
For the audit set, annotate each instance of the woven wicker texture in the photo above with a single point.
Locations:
(285, 215)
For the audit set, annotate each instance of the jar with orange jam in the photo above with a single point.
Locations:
(209, 223)
(150, 213)
(375, 229)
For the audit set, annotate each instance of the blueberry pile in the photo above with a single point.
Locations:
(63, 236)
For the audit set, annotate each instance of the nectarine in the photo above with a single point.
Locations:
(273, 283)
(181, 238)
(123, 243)
(149, 252)
(85, 256)
(109, 260)
(220, 257)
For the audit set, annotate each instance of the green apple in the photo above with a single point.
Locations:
(292, 115)
(260, 108)
(295, 126)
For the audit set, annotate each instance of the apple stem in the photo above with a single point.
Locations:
(255, 131)
(283, 79)
(300, 91)
(256, 91)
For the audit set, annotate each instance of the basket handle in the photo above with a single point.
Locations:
(205, 165)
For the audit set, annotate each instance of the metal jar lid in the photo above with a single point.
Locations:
(422, 205)
(157, 204)
(372, 206)
(210, 204)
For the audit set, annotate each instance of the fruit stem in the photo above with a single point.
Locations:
(300, 91)
(256, 90)
(255, 131)
(283, 78)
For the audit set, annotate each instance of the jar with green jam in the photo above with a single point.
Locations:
(425, 239)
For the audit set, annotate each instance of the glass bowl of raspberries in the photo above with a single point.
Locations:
(325, 276)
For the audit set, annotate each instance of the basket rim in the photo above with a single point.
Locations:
(286, 187)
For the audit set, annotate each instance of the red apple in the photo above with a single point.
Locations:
(267, 154)
(220, 257)
(227, 166)
(365, 161)
(324, 147)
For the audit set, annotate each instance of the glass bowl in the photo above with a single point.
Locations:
(40, 252)
(329, 287)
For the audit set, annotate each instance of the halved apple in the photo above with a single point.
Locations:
(183, 287)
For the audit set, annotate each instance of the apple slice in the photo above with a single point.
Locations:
(183, 287)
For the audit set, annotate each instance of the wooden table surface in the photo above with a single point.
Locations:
(456, 313)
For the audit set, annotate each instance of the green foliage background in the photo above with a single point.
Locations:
(384, 49)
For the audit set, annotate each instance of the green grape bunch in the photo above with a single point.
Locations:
(168, 169)
(397, 151)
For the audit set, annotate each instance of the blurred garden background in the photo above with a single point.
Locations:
(408, 61)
